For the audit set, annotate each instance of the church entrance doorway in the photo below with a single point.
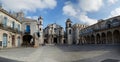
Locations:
(55, 40)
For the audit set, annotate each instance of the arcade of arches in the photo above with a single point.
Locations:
(104, 37)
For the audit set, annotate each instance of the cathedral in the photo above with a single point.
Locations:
(54, 34)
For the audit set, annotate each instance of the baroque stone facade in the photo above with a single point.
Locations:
(54, 34)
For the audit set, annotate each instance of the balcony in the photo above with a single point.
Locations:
(7, 28)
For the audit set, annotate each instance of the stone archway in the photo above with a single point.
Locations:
(88, 39)
(98, 38)
(103, 38)
(109, 37)
(27, 40)
(92, 39)
(116, 36)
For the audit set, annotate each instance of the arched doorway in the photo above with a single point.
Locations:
(55, 40)
(27, 40)
(103, 38)
(98, 38)
(13, 40)
(116, 36)
(109, 37)
(88, 39)
(64, 41)
(4, 40)
(18, 39)
(92, 39)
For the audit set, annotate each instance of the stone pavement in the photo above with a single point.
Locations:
(83, 53)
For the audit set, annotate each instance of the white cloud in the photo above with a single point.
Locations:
(69, 9)
(75, 12)
(28, 5)
(85, 19)
(112, 1)
(90, 5)
(33, 17)
(115, 12)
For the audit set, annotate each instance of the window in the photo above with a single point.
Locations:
(13, 25)
(55, 30)
(18, 27)
(5, 21)
(20, 19)
(28, 28)
(69, 25)
(38, 34)
(70, 31)
(40, 23)
(108, 25)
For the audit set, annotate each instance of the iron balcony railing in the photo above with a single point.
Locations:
(7, 28)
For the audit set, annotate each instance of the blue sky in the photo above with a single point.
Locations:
(57, 11)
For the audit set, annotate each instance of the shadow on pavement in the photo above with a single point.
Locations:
(114, 50)
(77, 48)
(7, 60)
(110, 60)
(106, 60)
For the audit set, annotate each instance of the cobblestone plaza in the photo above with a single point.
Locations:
(64, 53)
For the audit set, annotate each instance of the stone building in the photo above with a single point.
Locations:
(76, 30)
(32, 27)
(72, 32)
(10, 30)
(103, 32)
(54, 34)
(14, 26)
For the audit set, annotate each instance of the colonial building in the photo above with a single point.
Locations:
(33, 28)
(10, 30)
(72, 32)
(29, 29)
(14, 26)
(54, 34)
(103, 32)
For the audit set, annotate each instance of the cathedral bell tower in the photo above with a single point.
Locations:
(40, 30)
(69, 31)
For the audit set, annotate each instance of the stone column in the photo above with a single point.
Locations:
(112, 39)
(106, 39)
